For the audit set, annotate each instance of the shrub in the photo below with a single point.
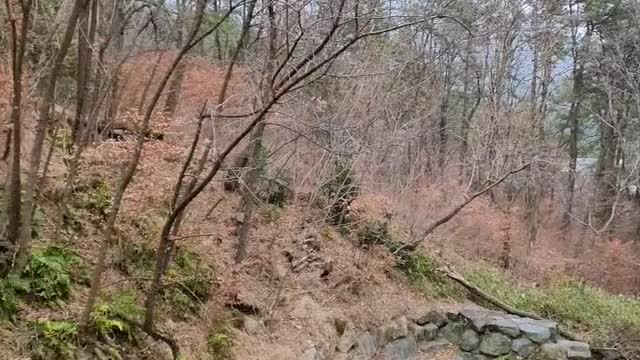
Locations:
(95, 198)
(220, 341)
(8, 301)
(48, 274)
(107, 317)
(374, 232)
(191, 281)
(422, 271)
(276, 190)
(53, 340)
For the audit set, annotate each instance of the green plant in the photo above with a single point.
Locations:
(8, 301)
(53, 339)
(422, 272)
(107, 317)
(374, 232)
(95, 198)
(47, 275)
(220, 341)
(271, 213)
(191, 281)
(276, 189)
(340, 191)
(62, 140)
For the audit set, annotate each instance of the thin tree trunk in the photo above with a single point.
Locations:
(574, 118)
(253, 175)
(40, 134)
(13, 189)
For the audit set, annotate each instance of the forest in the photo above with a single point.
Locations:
(265, 179)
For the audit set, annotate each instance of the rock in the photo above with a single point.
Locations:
(478, 318)
(427, 332)
(505, 326)
(523, 347)
(309, 354)
(469, 340)
(535, 332)
(452, 332)
(347, 341)
(438, 318)
(366, 344)
(575, 349)
(551, 351)
(400, 349)
(393, 331)
(252, 325)
(470, 356)
(433, 347)
(495, 344)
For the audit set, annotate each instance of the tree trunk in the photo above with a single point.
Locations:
(13, 188)
(40, 133)
(574, 119)
(255, 168)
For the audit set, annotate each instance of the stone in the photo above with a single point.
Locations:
(575, 349)
(366, 344)
(433, 347)
(386, 333)
(427, 332)
(495, 344)
(478, 319)
(401, 349)
(523, 347)
(505, 326)
(551, 351)
(470, 356)
(452, 332)
(438, 318)
(309, 354)
(469, 340)
(347, 341)
(535, 332)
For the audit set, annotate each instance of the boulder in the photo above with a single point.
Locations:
(536, 332)
(495, 344)
(452, 332)
(366, 344)
(427, 332)
(438, 318)
(469, 340)
(401, 349)
(523, 347)
(575, 349)
(470, 356)
(551, 351)
(395, 330)
(479, 318)
(433, 347)
(309, 354)
(347, 341)
(505, 326)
